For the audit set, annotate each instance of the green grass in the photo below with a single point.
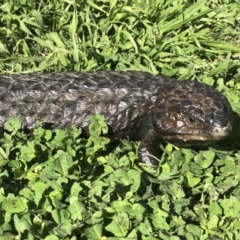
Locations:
(57, 185)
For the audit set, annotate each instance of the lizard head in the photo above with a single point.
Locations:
(188, 112)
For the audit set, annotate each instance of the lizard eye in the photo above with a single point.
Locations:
(191, 120)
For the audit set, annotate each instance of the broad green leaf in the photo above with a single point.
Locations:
(61, 215)
(12, 204)
(27, 153)
(205, 159)
(192, 180)
(231, 206)
(215, 209)
(3, 157)
(119, 226)
(94, 232)
(13, 124)
(51, 237)
(160, 222)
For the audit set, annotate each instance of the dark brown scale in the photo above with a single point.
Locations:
(135, 104)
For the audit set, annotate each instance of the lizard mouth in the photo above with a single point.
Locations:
(200, 137)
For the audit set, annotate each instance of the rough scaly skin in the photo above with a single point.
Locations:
(135, 104)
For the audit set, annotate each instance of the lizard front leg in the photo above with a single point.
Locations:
(149, 149)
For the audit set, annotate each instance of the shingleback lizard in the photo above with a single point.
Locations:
(147, 108)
